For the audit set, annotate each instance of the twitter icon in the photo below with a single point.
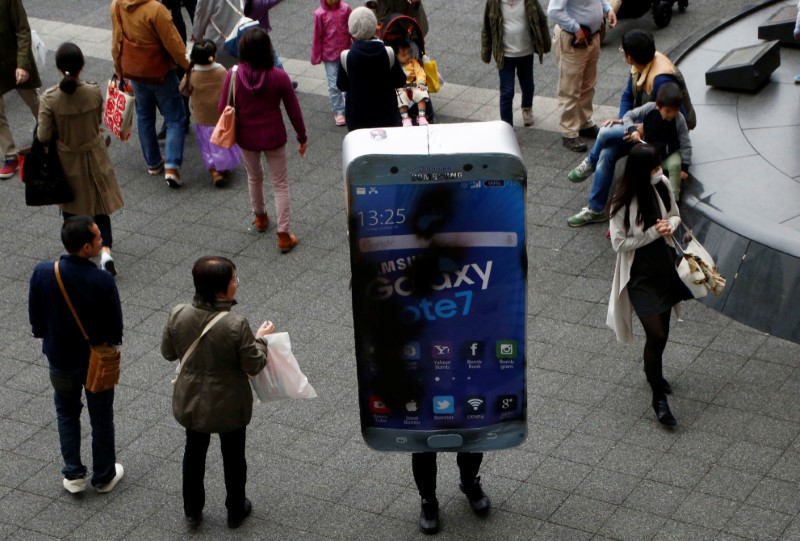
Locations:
(442, 405)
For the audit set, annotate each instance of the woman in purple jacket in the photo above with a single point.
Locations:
(260, 88)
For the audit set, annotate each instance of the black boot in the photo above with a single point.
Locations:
(477, 498)
(663, 413)
(429, 516)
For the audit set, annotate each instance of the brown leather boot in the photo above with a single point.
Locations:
(261, 222)
(286, 242)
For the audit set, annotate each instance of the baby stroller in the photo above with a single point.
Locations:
(397, 28)
(661, 9)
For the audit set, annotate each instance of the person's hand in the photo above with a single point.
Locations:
(611, 122)
(302, 149)
(581, 37)
(664, 228)
(634, 137)
(684, 175)
(612, 18)
(423, 87)
(266, 328)
(21, 76)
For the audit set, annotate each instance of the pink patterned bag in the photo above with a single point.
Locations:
(118, 114)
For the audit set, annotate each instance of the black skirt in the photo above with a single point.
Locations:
(654, 286)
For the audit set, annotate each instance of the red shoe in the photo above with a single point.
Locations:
(261, 222)
(286, 242)
(9, 167)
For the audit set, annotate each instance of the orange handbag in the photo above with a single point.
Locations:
(224, 134)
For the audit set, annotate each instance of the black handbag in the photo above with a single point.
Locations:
(45, 182)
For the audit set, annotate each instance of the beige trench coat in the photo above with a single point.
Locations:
(75, 121)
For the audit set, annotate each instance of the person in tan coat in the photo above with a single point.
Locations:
(139, 24)
(71, 113)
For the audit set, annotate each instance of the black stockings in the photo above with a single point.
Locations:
(656, 330)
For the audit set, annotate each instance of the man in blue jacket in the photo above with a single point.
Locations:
(649, 70)
(96, 300)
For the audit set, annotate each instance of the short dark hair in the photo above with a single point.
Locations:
(669, 95)
(77, 231)
(211, 275)
(639, 45)
(255, 48)
(69, 60)
(202, 52)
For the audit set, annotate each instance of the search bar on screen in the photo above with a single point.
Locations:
(472, 239)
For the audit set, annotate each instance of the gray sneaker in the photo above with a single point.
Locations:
(587, 216)
(582, 172)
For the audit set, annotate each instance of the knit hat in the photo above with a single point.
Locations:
(362, 24)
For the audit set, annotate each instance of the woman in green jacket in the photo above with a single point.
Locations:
(512, 31)
(212, 394)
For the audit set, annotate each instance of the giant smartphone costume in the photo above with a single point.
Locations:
(437, 249)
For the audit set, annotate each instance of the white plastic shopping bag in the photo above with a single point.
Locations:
(39, 51)
(282, 378)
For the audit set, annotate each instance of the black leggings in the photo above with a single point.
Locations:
(423, 466)
(656, 330)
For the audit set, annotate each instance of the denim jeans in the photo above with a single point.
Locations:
(337, 96)
(68, 391)
(608, 148)
(523, 67)
(169, 101)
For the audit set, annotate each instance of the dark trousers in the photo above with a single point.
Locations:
(194, 470)
(423, 466)
(523, 68)
(67, 395)
(103, 222)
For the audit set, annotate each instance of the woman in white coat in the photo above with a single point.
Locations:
(643, 215)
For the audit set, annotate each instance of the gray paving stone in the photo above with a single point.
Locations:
(679, 531)
(750, 457)
(707, 511)
(727, 483)
(629, 524)
(757, 523)
(583, 513)
(775, 495)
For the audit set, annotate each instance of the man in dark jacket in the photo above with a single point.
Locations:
(370, 76)
(17, 72)
(95, 298)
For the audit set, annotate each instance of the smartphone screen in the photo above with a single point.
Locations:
(439, 269)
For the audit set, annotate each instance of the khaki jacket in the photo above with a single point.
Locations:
(212, 393)
(15, 47)
(145, 22)
(74, 120)
(492, 33)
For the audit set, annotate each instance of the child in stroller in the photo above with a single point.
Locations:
(416, 89)
(403, 33)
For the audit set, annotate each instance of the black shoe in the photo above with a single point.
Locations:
(109, 266)
(429, 517)
(235, 520)
(477, 498)
(194, 520)
(294, 85)
(663, 414)
(590, 132)
(574, 144)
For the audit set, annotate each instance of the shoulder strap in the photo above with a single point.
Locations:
(69, 303)
(235, 8)
(232, 87)
(119, 18)
(207, 328)
(390, 52)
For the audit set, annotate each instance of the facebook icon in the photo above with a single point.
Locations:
(473, 349)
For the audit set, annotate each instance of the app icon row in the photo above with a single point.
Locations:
(469, 350)
(445, 405)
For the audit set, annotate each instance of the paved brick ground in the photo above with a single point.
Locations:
(595, 466)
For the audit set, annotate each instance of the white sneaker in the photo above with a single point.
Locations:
(108, 487)
(527, 116)
(74, 486)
